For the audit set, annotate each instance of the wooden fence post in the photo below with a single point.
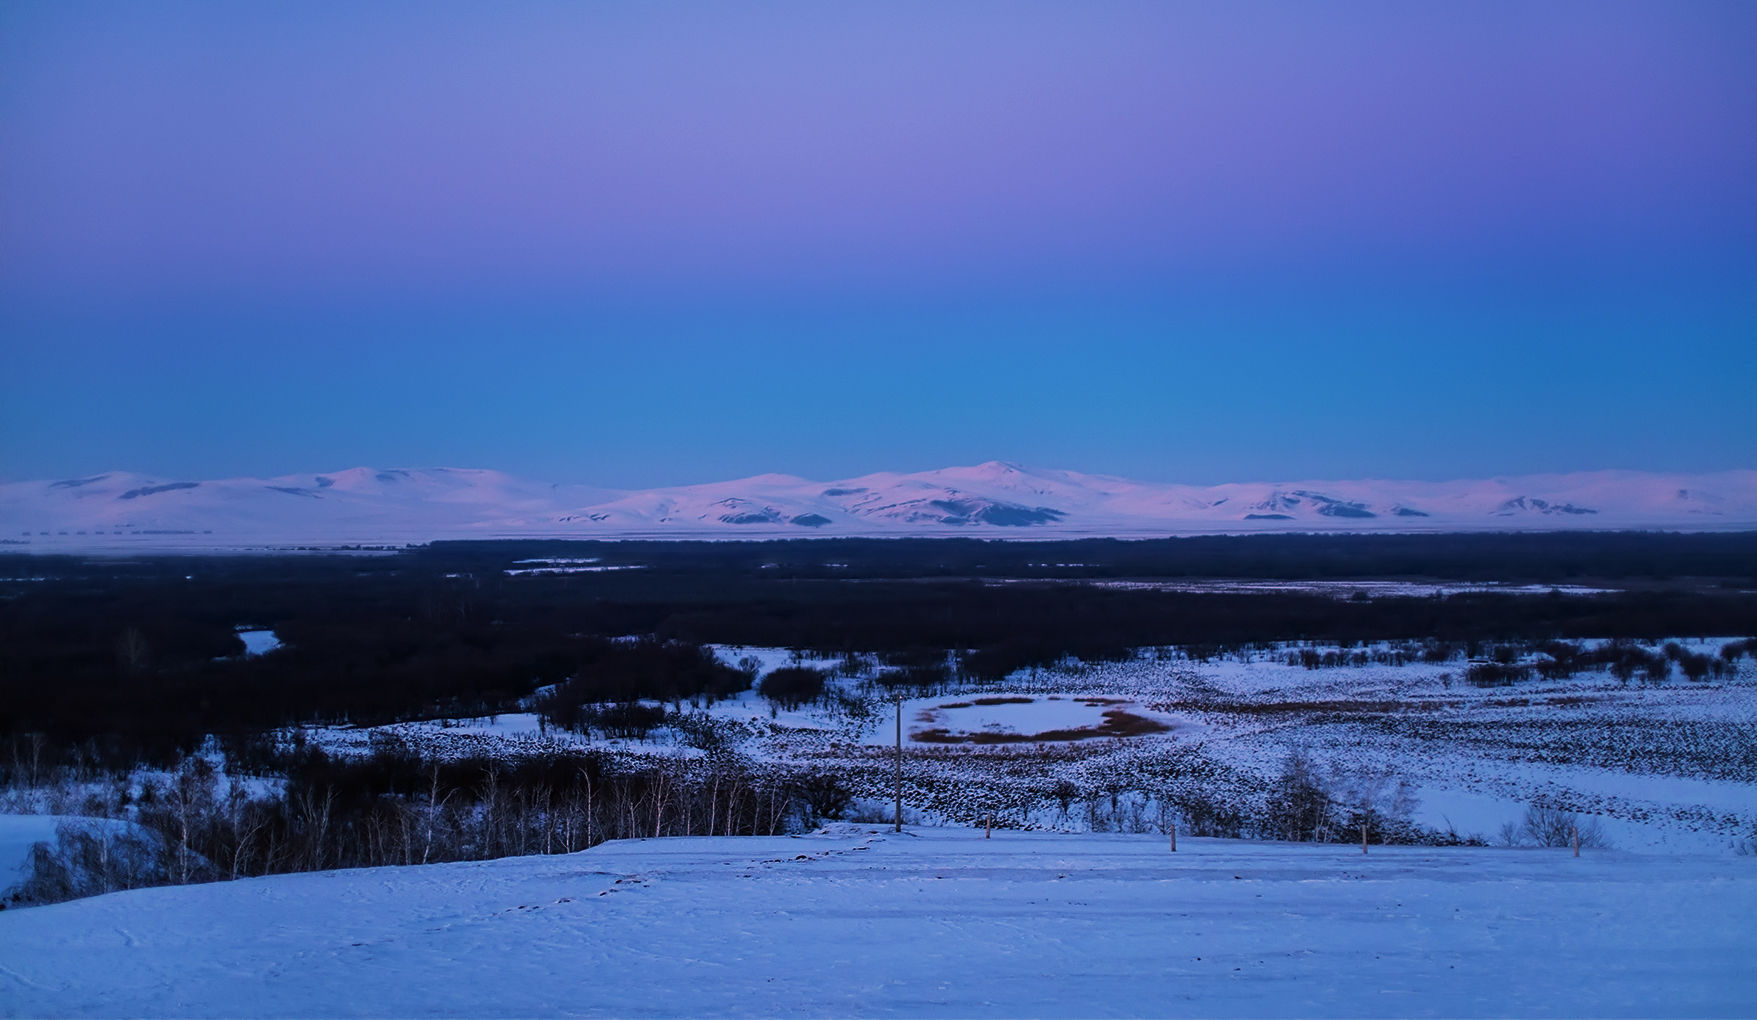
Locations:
(1574, 837)
(1171, 830)
(899, 827)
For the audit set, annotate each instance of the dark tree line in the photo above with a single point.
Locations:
(610, 678)
(1553, 558)
(396, 808)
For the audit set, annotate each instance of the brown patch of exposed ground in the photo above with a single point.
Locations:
(1117, 723)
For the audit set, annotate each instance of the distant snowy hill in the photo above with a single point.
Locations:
(396, 506)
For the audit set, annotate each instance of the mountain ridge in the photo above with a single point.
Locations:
(996, 499)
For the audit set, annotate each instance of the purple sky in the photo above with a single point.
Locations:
(1162, 182)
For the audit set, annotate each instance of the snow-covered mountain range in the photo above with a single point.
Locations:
(395, 506)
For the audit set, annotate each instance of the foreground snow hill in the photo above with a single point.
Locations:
(368, 505)
(858, 921)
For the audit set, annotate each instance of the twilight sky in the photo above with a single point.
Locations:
(648, 244)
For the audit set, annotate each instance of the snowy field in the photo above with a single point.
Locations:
(1657, 766)
(1075, 907)
(857, 921)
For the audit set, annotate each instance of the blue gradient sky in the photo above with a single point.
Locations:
(1182, 242)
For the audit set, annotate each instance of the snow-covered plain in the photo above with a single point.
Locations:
(1658, 766)
(122, 510)
(1047, 918)
(858, 921)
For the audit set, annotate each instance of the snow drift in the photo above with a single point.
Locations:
(858, 921)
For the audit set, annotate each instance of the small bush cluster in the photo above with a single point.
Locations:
(1309, 806)
(1625, 659)
(1496, 674)
(606, 692)
(1545, 825)
(792, 687)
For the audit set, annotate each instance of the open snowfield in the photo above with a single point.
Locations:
(1657, 766)
(857, 921)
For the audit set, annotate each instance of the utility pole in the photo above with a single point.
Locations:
(899, 827)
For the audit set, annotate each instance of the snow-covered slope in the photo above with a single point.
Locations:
(366, 505)
(861, 922)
